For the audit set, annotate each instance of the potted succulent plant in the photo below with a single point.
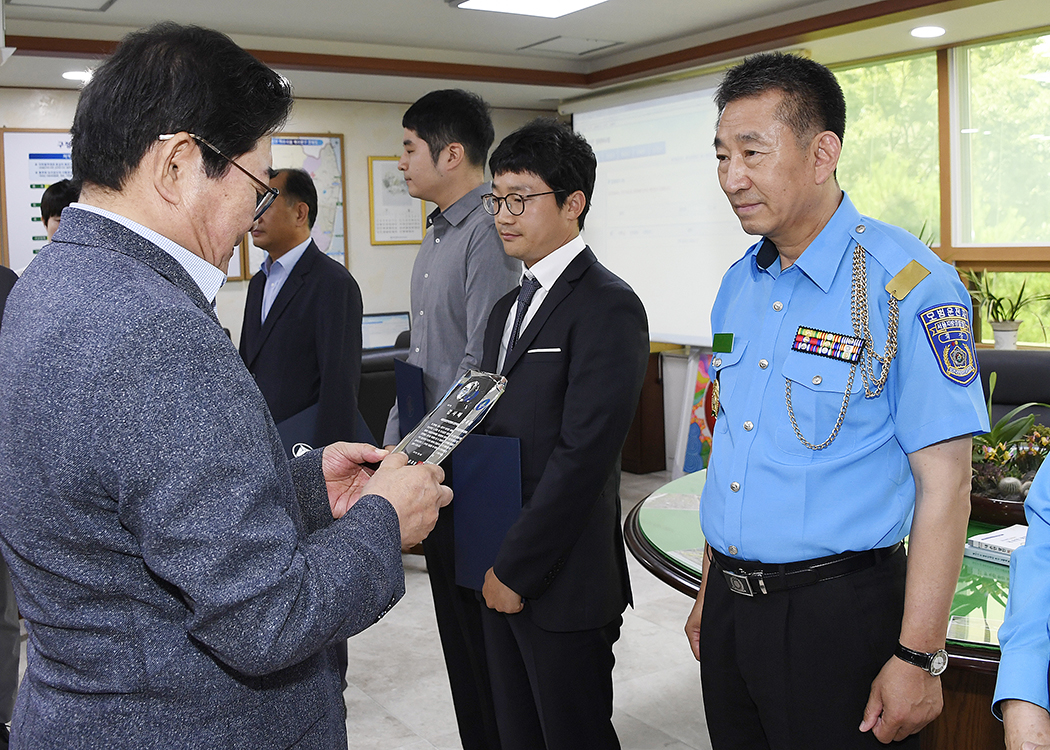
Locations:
(1001, 310)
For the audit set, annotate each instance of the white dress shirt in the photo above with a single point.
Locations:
(209, 278)
(546, 271)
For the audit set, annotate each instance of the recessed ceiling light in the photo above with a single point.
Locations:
(77, 75)
(541, 8)
(927, 32)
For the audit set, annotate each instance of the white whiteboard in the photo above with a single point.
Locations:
(658, 217)
(32, 160)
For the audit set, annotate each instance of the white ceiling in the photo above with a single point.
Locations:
(433, 32)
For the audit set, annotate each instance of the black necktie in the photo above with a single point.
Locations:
(529, 285)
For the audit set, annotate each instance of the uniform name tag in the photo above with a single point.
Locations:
(948, 330)
(723, 343)
(826, 344)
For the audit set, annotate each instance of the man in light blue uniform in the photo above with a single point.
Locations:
(1021, 693)
(848, 393)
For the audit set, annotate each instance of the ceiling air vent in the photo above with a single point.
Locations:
(569, 46)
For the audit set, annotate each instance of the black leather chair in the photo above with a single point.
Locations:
(1022, 376)
(378, 389)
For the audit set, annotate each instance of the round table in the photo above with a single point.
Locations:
(663, 533)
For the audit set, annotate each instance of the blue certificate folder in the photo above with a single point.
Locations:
(299, 428)
(486, 486)
(411, 398)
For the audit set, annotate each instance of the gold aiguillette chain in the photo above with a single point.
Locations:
(859, 315)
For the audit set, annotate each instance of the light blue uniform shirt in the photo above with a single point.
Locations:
(767, 496)
(1025, 635)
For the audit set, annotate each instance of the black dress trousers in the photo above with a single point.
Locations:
(792, 670)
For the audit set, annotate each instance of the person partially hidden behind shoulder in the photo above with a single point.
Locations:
(182, 583)
(849, 392)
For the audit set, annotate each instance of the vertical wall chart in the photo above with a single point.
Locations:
(31, 161)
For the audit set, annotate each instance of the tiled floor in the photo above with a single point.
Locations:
(399, 698)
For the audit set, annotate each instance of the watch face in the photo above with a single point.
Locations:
(939, 662)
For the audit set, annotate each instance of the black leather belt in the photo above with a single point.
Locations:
(755, 578)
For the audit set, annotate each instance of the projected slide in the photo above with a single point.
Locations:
(658, 218)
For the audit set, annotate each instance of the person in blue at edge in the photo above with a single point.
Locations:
(1022, 697)
(848, 395)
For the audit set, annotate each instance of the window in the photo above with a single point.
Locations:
(1003, 141)
(889, 163)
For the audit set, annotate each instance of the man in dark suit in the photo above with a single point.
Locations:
(573, 343)
(10, 633)
(7, 282)
(301, 337)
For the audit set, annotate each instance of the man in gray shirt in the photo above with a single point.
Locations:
(459, 273)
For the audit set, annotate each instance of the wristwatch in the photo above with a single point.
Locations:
(934, 663)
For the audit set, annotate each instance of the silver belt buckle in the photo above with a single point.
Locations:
(738, 584)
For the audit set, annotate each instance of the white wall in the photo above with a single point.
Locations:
(368, 129)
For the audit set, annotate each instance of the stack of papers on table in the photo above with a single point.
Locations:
(996, 546)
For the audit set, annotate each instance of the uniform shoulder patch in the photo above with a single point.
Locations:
(948, 331)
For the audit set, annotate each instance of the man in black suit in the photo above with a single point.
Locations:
(301, 336)
(573, 343)
(10, 633)
(7, 282)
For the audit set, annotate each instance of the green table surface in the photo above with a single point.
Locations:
(669, 519)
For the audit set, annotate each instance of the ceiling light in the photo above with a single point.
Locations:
(77, 75)
(927, 32)
(541, 8)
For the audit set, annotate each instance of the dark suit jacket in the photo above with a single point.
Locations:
(7, 282)
(182, 583)
(309, 349)
(571, 407)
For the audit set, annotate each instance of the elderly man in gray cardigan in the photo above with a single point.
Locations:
(182, 583)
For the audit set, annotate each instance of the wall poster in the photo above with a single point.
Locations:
(31, 161)
(321, 155)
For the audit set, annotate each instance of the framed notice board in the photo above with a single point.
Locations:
(30, 161)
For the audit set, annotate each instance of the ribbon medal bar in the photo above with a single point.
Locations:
(826, 344)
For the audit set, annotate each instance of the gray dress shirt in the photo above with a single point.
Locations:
(459, 273)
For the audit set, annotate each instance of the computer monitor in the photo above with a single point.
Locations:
(380, 330)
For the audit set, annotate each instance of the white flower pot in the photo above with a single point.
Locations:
(1005, 332)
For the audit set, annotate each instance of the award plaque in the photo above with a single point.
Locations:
(459, 412)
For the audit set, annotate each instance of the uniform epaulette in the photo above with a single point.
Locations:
(906, 267)
(907, 279)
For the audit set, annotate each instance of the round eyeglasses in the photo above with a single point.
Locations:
(514, 202)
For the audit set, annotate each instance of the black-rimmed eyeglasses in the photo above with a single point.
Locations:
(263, 200)
(514, 202)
